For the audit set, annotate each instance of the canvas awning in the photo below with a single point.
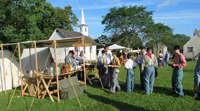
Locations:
(64, 42)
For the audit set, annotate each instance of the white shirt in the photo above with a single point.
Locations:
(130, 64)
(160, 56)
(109, 55)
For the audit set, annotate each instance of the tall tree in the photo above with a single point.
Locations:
(128, 22)
(158, 33)
(103, 39)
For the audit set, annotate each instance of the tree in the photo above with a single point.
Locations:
(177, 39)
(157, 34)
(103, 39)
(128, 22)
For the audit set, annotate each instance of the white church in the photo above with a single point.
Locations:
(82, 31)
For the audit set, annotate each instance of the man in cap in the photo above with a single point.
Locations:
(149, 63)
(139, 61)
(179, 63)
(115, 65)
(110, 57)
(130, 79)
(102, 62)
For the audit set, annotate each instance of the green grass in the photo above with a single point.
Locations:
(98, 99)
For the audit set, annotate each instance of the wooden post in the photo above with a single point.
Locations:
(3, 67)
(90, 54)
(126, 52)
(12, 75)
(36, 68)
(138, 52)
(20, 66)
(84, 60)
(54, 42)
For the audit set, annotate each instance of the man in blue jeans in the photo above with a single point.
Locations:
(149, 63)
(166, 58)
(139, 61)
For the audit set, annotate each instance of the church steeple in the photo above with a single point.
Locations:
(82, 18)
(82, 27)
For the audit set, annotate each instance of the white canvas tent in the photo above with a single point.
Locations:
(12, 71)
(113, 47)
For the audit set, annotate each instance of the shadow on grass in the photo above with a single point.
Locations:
(117, 104)
(164, 90)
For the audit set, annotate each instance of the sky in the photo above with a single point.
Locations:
(183, 16)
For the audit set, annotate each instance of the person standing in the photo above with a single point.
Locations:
(81, 73)
(177, 76)
(130, 79)
(160, 59)
(149, 63)
(102, 62)
(197, 78)
(115, 65)
(166, 58)
(109, 74)
(139, 61)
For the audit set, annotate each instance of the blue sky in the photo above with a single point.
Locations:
(183, 16)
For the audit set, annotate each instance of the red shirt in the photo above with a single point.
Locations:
(182, 62)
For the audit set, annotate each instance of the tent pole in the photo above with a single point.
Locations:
(3, 68)
(84, 60)
(54, 42)
(30, 57)
(36, 66)
(20, 66)
(90, 54)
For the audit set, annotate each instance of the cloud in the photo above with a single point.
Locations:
(166, 3)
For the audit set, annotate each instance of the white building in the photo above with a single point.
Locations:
(82, 31)
(192, 48)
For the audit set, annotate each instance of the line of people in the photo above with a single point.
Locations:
(108, 66)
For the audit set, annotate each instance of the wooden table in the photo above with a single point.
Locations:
(48, 80)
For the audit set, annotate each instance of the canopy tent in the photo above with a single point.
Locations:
(12, 71)
(64, 42)
(113, 47)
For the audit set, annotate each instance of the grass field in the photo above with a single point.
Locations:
(98, 99)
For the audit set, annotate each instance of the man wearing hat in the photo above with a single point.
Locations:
(139, 61)
(130, 79)
(149, 63)
(102, 62)
(179, 63)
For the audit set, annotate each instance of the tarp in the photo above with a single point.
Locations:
(12, 71)
(42, 55)
(113, 47)
(62, 42)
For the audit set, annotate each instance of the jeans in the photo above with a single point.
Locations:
(114, 83)
(130, 80)
(141, 78)
(166, 63)
(176, 81)
(149, 76)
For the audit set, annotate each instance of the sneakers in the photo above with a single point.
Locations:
(178, 95)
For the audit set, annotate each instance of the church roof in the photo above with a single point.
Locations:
(69, 34)
(82, 25)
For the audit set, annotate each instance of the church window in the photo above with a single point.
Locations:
(85, 29)
(80, 30)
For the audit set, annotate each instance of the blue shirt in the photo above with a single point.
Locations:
(166, 56)
(77, 62)
(139, 61)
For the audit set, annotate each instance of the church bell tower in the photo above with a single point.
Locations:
(82, 27)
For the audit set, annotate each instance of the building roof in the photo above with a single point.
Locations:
(70, 34)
